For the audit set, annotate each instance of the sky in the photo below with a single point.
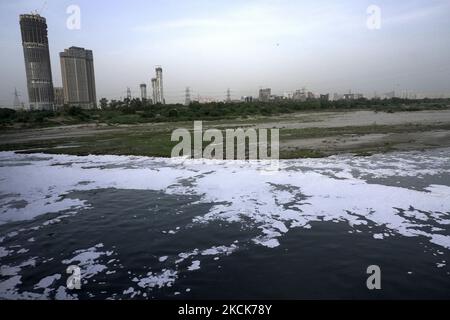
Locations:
(212, 45)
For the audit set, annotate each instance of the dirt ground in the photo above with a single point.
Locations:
(327, 132)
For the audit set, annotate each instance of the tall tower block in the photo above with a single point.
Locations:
(159, 85)
(37, 61)
(143, 87)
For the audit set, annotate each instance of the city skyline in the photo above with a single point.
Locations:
(244, 46)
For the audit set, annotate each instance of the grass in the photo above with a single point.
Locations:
(305, 133)
(155, 140)
(301, 153)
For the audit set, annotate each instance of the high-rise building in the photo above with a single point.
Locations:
(77, 69)
(37, 61)
(143, 87)
(159, 86)
(154, 90)
(264, 94)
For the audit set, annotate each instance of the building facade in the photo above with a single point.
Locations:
(37, 61)
(78, 77)
(143, 87)
(157, 87)
(154, 90)
(299, 95)
(265, 94)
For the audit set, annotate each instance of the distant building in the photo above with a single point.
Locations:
(37, 61)
(143, 87)
(353, 96)
(265, 94)
(277, 98)
(158, 87)
(337, 97)
(325, 97)
(299, 95)
(154, 93)
(59, 97)
(247, 99)
(78, 77)
(349, 96)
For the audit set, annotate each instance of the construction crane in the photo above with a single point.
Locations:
(44, 6)
(39, 12)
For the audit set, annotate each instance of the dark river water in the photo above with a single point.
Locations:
(143, 228)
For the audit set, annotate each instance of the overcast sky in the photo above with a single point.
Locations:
(213, 45)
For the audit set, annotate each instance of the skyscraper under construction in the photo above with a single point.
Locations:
(37, 61)
(157, 86)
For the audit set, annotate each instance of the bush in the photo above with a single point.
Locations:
(7, 113)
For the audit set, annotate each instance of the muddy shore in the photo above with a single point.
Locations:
(325, 133)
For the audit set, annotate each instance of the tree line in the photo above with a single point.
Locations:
(142, 111)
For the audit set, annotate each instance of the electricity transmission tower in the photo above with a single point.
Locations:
(228, 95)
(16, 102)
(188, 96)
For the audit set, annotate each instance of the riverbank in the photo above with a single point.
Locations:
(302, 134)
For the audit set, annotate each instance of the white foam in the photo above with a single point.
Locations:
(194, 266)
(87, 259)
(47, 281)
(163, 279)
(302, 192)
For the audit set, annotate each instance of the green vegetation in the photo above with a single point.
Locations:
(155, 140)
(136, 111)
(301, 153)
(305, 133)
(137, 128)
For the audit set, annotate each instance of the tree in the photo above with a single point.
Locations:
(103, 103)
